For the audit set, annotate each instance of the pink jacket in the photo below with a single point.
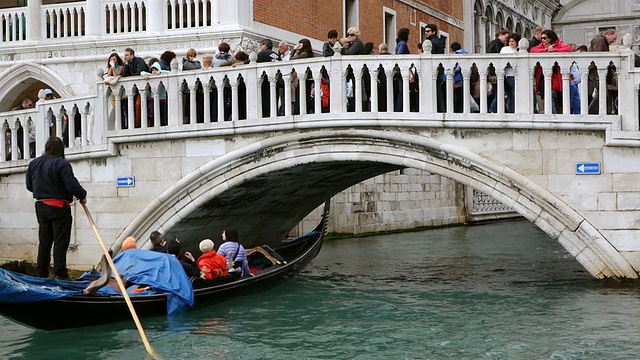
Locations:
(558, 46)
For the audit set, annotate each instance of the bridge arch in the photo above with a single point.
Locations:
(21, 79)
(267, 187)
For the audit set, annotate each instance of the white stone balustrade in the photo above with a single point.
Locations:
(106, 18)
(193, 99)
(63, 20)
(13, 26)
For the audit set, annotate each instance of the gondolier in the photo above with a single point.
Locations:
(51, 180)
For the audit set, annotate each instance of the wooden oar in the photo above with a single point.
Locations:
(147, 345)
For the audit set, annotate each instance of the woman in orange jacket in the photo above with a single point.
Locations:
(210, 263)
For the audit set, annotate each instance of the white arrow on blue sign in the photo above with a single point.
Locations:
(127, 181)
(587, 168)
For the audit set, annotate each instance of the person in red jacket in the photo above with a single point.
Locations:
(551, 43)
(210, 263)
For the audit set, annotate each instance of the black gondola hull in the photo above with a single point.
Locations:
(78, 311)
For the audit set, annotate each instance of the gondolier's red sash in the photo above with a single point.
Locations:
(56, 202)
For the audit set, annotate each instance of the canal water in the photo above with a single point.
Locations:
(495, 291)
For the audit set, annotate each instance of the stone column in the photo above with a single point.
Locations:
(94, 19)
(34, 20)
(156, 16)
(468, 18)
(482, 36)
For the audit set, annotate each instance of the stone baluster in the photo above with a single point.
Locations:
(449, 90)
(287, 93)
(193, 105)
(358, 92)
(317, 99)
(374, 88)
(174, 96)
(144, 108)
(406, 101)
(71, 126)
(389, 73)
(500, 91)
(84, 115)
(14, 125)
(118, 111)
(235, 105)
(602, 90)
(584, 91)
(60, 122)
(548, 98)
(25, 123)
(157, 112)
(482, 72)
(131, 108)
(220, 85)
(206, 96)
(466, 94)
(524, 101)
(273, 95)
(3, 142)
(566, 93)
(302, 81)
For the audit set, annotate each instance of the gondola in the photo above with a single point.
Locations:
(79, 310)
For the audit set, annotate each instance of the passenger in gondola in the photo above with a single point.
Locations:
(129, 243)
(187, 261)
(235, 254)
(211, 264)
(158, 241)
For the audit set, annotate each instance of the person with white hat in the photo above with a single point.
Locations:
(48, 94)
(210, 263)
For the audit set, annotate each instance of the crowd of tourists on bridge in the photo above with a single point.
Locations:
(352, 43)
(506, 42)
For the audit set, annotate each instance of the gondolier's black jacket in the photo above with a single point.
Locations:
(51, 177)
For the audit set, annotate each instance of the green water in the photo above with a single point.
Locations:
(497, 291)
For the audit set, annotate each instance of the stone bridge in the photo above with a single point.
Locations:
(250, 147)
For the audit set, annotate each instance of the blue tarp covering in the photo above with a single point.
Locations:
(162, 272)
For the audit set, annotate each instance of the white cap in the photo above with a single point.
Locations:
(206, 245)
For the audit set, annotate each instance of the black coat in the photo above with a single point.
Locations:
(437, 45)
(135, 67)
(495, 46)
(51, 177)
(267, 56)
(355, 48)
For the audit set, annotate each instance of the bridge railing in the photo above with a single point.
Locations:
(403, 87)
(376, 84)
(108, 18)
(26, 131)
(13, 24)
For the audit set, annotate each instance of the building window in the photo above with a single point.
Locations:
(351, 15)
(444, 36)
(389, 21)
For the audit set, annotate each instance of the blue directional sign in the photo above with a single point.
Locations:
(587, 168)
(127, 181)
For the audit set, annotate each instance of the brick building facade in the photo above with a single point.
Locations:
(377, 20)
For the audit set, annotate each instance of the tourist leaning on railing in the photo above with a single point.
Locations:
(551, 43)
